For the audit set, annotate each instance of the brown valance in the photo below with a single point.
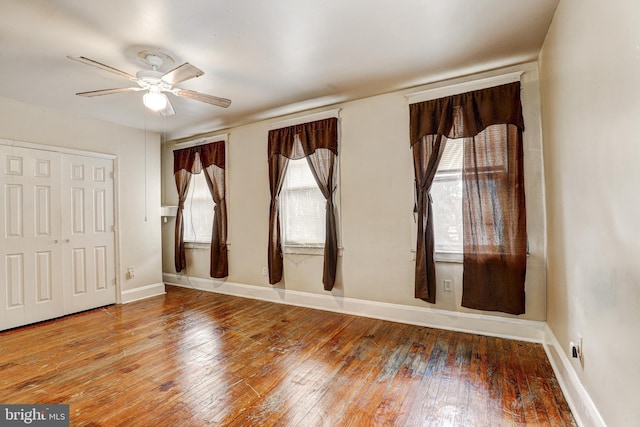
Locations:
(209, 154)
(467, 114)
(313, 135)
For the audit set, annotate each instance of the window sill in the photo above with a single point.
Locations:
(452, 257)
(201, 245)
(449, 257)
(197, 245)
(306, 250)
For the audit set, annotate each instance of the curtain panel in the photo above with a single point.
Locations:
(491, 123)
(318, 142)
(209, 158)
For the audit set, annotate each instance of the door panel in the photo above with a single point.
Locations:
(42, 211)
(87, 231)
(101, 262)
(15, 281)
(44, 277)
(99, 211)
(77, 211)
(78, 271)
(31, 287)
(14, 210)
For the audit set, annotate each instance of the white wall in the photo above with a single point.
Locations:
(376, 208)
(139, 240)
(590, 82)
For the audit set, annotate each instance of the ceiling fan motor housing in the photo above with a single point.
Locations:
(149, 76)
(153, 76)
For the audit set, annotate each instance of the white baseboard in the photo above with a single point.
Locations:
(524, 330)
(143, 292)
(582, 407)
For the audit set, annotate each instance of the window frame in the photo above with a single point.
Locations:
(439, 256)
(337, 195)
(440, 92)
(283, 199)
(311, 249)
(219, 137)
(450, 175)
(452, 256)
(187, 205)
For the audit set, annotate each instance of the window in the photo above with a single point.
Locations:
(302, 207)
(294, 217)
(493, 207)
(198, 211)
(446, 195)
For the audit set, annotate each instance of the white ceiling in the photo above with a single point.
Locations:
(269, 57)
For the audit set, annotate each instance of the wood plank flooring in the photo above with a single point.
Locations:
(193, 358)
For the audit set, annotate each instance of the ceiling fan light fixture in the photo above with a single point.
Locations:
(154, 99)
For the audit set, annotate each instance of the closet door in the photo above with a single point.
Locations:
(30, 256)
(87, 232)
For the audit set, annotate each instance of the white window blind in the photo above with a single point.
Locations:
(198, 211)
(302, 207)
(446, 193)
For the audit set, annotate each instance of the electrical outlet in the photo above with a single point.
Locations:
(580, 349)
(575, 347)
(447, 286)
(265, 271)
(131, 273)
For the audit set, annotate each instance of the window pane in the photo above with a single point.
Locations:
(302, 207)
(446, 193)
(198, 211)
(299, 175)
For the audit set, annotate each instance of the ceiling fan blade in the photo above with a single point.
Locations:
(108, 91)
(209, 99)
(184, 72)
(168, 110)
(102, 66)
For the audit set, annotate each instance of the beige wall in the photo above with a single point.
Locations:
(139, 240)
(590, 82)
(376, 208)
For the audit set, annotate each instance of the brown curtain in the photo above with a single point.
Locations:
(211, 159)
(277, 169)
(494, 241)
(473, 116)
(426, 156)
(322, 165)
(183, 178)
(318, 142)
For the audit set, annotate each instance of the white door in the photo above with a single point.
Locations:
(87, 232)
(30, 256)
(57, 253)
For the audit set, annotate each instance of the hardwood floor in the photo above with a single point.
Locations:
(194, 358)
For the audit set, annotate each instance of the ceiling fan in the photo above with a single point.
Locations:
(155, 83)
